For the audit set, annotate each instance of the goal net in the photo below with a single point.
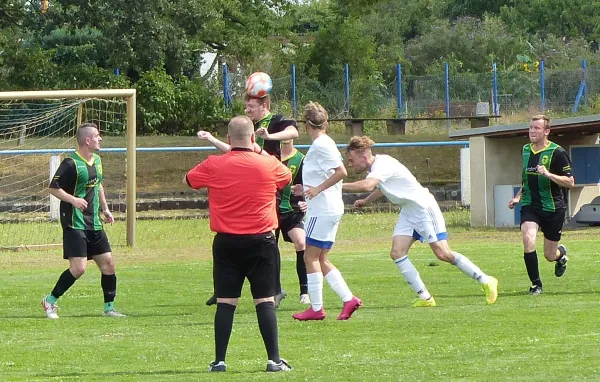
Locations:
(37, 131)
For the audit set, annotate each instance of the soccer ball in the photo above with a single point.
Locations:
(258, 85)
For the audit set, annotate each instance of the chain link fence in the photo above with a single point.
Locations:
(434, 95)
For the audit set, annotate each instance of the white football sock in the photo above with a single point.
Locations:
(468, 268)
(412, 277)
(339, 286)
(315, 290)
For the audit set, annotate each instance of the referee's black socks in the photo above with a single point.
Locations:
(267, 323)
(533, 271)
(223, 325)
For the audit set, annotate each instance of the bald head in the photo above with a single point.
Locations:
(241, 131)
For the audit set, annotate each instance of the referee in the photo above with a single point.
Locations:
(242, 207)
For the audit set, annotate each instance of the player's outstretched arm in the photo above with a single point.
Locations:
(339, 174)
(365, 185)
(373, 196)
(220, 145)
(288, 133)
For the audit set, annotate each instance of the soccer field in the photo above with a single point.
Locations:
(168, 334)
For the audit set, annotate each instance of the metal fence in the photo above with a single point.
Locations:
(436, 95)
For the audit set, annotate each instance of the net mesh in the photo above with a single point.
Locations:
(31, 133)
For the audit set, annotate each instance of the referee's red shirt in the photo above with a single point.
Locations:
(241, 190)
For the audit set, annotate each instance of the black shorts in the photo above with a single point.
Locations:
(236, 257)
(288, 221)
(551, 223)
(82, 243)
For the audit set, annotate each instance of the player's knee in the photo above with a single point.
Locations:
(398, 253)
(77, 270)
(528, 239)
(107, 266)
(444, 255)
(300, 245)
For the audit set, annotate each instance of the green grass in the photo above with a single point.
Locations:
(168, 335)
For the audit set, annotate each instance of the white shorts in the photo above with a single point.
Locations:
(321, 231)
(422, 223)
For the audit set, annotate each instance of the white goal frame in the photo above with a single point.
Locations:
(130, 97)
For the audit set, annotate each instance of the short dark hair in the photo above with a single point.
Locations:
(84, 131)
(263, 100)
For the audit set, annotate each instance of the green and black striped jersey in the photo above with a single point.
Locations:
(539, 191)
(81, 179)
(289, 201)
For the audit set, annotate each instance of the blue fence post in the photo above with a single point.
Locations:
(584, 68)
(225, 86)
(399, 88)
(347, 84)
(582, 87)
(294, 105)
(542, 87)
(495, 103)
(447, 86)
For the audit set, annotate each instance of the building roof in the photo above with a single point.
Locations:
(586, 125)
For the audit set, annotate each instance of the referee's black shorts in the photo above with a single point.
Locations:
(236, 257)
(550, 223)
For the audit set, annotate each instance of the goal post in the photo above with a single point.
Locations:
(13, 129)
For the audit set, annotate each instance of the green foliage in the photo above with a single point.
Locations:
(196, 105)
(468, 44)
(564, 18)
(156, 92)
(474, 8)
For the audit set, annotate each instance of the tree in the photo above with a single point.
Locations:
(564, 18)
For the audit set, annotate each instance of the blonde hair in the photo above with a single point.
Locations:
(316, 115)
(543, 118)
(360, 144)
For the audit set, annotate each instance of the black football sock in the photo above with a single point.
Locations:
(109, 287)
(267, 323)
(533, 271)
(301, 271)
(223, 326)
(65, 281)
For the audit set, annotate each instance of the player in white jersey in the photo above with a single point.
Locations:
(420, 217)
(322, 174)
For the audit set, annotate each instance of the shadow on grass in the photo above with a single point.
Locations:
(139, 373)
(129, 316)
(522, 293)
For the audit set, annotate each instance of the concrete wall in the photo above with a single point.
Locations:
(478, 182)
